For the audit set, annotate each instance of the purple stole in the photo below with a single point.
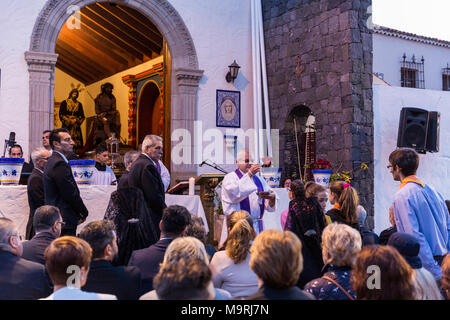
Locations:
(158, 167)
(245, 204)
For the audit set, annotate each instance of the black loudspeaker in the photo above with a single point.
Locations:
(434, 118)
(413, 129)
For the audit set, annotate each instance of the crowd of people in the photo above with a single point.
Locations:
(144, 250)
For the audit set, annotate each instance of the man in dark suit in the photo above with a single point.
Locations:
(174, 221)
(20, 279)
(48, 223)
(103, 277)
(60, 187)
(35, 187)
(128, 159)
(144, 175)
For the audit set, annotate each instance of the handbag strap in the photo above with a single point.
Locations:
(339, 286)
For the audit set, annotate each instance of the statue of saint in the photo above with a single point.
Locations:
(107, 114)
(71, 115)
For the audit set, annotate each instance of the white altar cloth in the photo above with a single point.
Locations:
(14, 204)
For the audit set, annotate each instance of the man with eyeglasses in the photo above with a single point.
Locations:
(20, 279)
(35, 186)
(47, 222)
(244, 190)
(420, 210)
(60, 188)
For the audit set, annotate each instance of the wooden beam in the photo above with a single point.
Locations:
(70, 70)
(115, 31)
(128, 28)
(66, 50)
(140, 20)
(79, 67)
(112, 49)
(100, 30)
(100, 56)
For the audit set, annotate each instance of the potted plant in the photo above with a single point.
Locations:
(321, 171)
(270, 174)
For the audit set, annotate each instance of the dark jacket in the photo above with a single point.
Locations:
(305, 219)
(145, 176)
(148, 260)
(367, 237)
(134, 226)
(386, 234)
(268, 293)
(123, 181)
(62, 191)
(27, 168)
(123, 282)
(324, 289)
(36, 199)
(21, 279)
(33, 250)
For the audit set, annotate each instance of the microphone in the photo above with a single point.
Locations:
(12, 139)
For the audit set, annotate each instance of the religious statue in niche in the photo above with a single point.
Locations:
(71, 115)
(108, 118)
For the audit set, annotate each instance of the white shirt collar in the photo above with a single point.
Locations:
(39, 170)
(64, 157)
(149, 158)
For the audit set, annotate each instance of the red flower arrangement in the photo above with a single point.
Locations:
(321, 164)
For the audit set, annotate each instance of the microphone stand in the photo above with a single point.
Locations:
(215, 166)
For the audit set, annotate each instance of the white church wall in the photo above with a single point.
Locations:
(16, 24)
(434, 168)
(388, 52)
(221, 31)
(120, 91)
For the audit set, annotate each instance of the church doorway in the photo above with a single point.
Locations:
(110, 45)
(150, 111)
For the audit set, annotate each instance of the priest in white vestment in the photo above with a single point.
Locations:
(240, 191)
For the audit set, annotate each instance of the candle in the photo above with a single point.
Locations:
(191, 186)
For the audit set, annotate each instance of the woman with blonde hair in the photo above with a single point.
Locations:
(230, 268)
(185, 246)
(340, 245)
(346, 201)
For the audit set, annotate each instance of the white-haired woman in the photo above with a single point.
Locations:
(340, 245)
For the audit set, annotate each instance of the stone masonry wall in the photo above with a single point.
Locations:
(319, 55)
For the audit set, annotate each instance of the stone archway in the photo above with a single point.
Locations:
(41, 59)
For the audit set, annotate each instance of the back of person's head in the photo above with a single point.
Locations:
(426, 286)
(446, 275)
(298, 190)
(340, 245)
(185, 278)
(196, 229)
(100, 149)
(381, 273)
(45, 217)
(408, 246)
(349, 201)
(129, 157)
(98, 234)
(54, 136)
(276, 258)
(63, 253)
(312, 189)
(7, 230)
(240, 236)
(175, 220)
(406, 159)
(185, 245)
